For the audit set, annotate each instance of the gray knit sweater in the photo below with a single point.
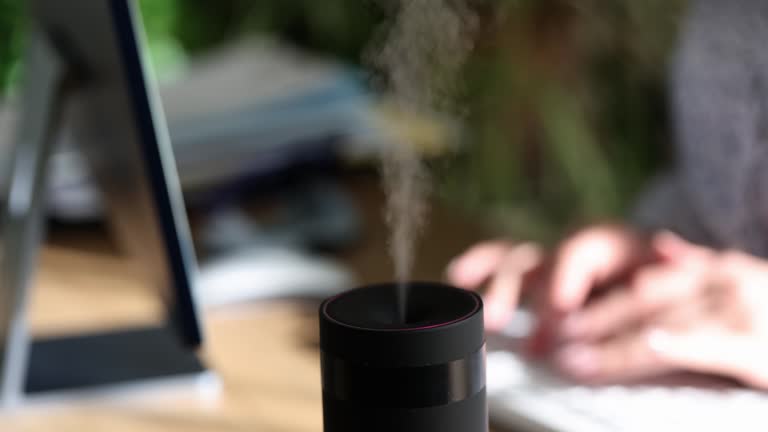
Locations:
(717, 193)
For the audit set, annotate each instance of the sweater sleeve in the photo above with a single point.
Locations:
(664, 205)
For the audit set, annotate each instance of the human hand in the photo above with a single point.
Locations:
(559, 282)
(697, 310)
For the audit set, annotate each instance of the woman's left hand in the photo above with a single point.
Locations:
(698, 310)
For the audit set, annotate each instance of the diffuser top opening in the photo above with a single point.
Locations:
(428, 305)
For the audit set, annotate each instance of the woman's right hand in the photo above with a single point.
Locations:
(678, 306)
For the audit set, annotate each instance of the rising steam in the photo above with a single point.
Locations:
(419, 57)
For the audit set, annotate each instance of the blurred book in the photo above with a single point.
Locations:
(257, 105)
(248, 110)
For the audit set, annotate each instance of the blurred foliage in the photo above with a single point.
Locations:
(566, 99)
(340, 28)
(176, 28)
(11, 30)
(567, 111)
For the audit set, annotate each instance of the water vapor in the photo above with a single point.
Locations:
(418, 57)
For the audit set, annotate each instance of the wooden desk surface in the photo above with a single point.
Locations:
(265, 354)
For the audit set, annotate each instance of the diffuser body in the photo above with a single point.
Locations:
(423, 373)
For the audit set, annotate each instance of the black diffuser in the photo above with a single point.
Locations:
(421, 372)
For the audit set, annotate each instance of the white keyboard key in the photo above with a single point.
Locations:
(525, 397)
(540, 411)
(520, 325)
(507, 370)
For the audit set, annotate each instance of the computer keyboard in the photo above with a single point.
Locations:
(524, 396)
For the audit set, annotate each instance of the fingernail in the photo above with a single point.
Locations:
(579, 360)
(456, 274)
(496, 315)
